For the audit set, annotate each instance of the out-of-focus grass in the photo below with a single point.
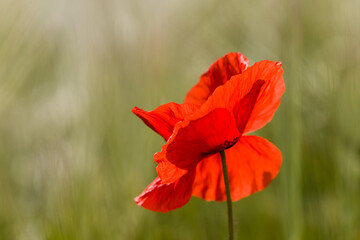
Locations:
(72, 156)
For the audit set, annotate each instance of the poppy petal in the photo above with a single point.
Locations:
(234, 91)
(252, 163)
(246, 105)
(166, 197)
(163, 119)
(192, 139)
(219, 72)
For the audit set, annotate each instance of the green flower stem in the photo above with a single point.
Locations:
(228, 195)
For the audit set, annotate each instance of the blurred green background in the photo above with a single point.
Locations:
(73, 156)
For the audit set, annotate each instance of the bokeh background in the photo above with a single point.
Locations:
(73, 156)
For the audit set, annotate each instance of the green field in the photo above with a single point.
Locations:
(73, 156)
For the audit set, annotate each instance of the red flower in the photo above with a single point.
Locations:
(229, 101)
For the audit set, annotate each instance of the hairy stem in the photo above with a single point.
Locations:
(228, 195)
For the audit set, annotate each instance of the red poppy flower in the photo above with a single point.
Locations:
(230, 101)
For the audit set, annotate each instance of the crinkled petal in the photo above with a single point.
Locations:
(219, 72)
(269, 74)
(252, 163)
(192, 139)
(166, 197)
(246, 105)
(163, 119)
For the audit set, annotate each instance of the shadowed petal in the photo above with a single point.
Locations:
(266, 73)
(220, 72)
(166, 197)
(192, 139)
(252, 163)
(163, 119)
(246, 105)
